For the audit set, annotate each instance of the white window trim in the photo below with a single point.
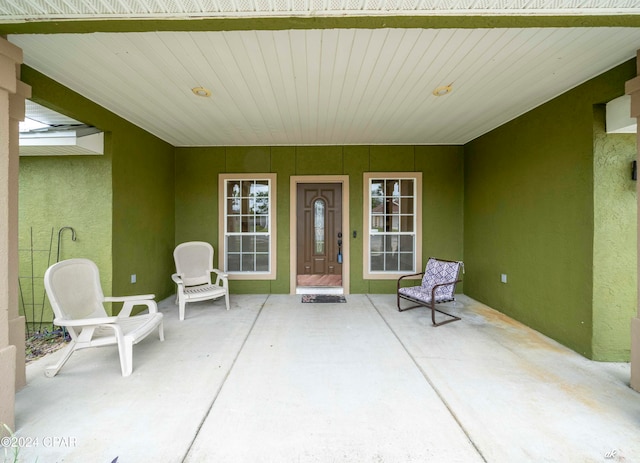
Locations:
(222, 178)
(366, 221)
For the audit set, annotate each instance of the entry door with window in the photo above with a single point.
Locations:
(319, 234)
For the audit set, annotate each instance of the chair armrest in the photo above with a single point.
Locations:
(129, 298)
(221, 277)
(433, 290)
(220, 273)
(85, 321)
(408, 276)
(177, 278)
(128, 306)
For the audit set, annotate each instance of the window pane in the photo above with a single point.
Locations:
(262, 223)
(233, 262)
(248, 244)
(391, 188)
(406, 187)
(377, 223)
(377, 188)
(406, 243)
(261, 205)
(247, 224)
(262, 243)
(233, 224)
(391, 244)
(233, 188)
(406, 206)
(261, 188)
(406, 261)
(246, 188)
(377, 262)
(246, 206)
(262, 262)
(233, 243)
(233, 206)
(406, 223)
(391, 262)
(376, 244)
(248, 263)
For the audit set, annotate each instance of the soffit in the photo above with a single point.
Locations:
(15, 10)
(329, 86)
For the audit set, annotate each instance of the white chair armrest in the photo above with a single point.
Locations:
(221, 277)
(129, 298)
(220, 273)
(128, 306)
(85, 321)
(177, 278)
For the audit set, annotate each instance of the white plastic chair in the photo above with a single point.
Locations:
(73, 288)
(194, 266)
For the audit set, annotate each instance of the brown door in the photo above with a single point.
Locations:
(319, 234)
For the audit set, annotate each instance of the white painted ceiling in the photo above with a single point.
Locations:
(322, 87)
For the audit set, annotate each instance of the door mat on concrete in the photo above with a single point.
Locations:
(330, 298)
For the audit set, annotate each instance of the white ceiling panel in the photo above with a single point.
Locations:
(21, 10)
(326, 87)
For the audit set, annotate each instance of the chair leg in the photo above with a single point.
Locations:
(452, 318)
(125, 348)
(52, 370)
(406, 308)
(226, 299)
(181, 305)
(161, 331)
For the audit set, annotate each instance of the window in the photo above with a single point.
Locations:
(393, 224)
(248, 218)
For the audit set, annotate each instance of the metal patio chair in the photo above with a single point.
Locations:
(438, 285)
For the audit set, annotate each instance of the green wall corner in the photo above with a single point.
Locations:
(614, 243)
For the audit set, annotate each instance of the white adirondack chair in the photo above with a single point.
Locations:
(74, 290)
(194, 266)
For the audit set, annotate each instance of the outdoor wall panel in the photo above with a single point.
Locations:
(529, 213)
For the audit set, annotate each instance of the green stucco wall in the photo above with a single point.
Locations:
(196, 190)
(56, 192)
(614, 241)
(121, 204)
(529, 213)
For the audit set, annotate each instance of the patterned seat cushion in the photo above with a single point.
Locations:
(436, 272)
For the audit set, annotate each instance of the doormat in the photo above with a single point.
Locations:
(327, 298)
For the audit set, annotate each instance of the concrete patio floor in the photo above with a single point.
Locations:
(276, 380)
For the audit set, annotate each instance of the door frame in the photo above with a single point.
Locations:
(293, 229)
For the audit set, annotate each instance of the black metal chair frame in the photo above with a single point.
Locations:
(432, 303)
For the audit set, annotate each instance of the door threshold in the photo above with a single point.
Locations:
(319, 290)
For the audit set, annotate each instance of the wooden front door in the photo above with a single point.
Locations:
(319, 234)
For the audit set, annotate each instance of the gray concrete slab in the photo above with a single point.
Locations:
(277, 380)
(150, 416)
(324, 383)
(519, 395)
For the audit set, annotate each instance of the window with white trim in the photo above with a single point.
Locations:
(393, 224)
(248, 225)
